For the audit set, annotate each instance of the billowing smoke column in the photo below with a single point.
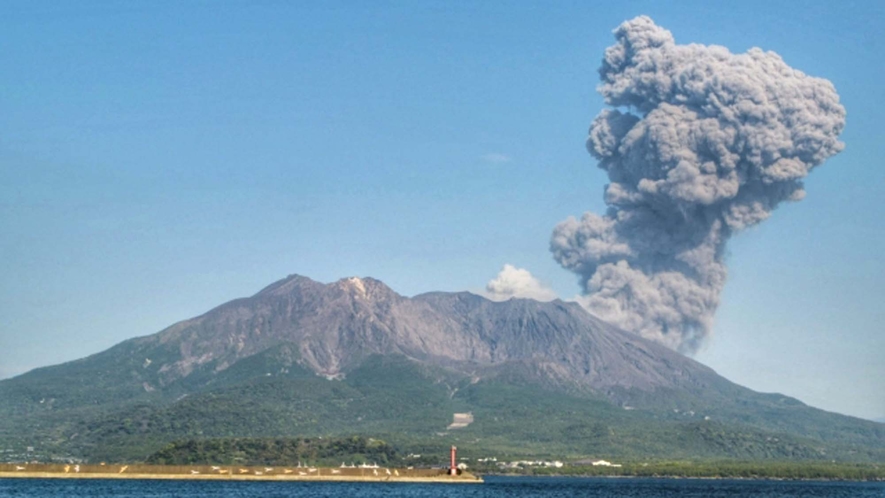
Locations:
(701, 143)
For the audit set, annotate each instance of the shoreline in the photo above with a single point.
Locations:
(697, 478)
(233, 473)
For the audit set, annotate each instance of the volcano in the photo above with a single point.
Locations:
(304, 358)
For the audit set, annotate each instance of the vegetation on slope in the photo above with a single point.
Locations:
(726, 469)
(358, 450)
(410, 405)
(276, 451)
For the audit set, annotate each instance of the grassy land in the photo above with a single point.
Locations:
(409, 406)
(276, 451)
(356, 449)
(712, 469)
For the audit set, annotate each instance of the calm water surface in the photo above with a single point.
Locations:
(494, 486)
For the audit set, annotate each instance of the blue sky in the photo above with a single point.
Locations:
(157, 159)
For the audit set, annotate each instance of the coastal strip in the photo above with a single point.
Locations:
(234, 473)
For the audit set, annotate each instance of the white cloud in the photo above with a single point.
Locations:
(496, 158)
(517, 282)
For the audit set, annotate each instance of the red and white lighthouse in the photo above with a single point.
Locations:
(453, 467)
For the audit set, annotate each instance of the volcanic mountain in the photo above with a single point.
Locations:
(354, 357)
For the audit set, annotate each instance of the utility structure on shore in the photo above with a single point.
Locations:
(453, 466)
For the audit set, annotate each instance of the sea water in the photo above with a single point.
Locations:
(545, 487)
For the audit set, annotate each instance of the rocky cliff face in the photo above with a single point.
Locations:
(338, 325)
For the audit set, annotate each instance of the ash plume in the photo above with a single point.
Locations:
(699, 144)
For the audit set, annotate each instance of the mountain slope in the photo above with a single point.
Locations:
(305, 358)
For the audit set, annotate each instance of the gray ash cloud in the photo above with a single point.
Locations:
(699, 144)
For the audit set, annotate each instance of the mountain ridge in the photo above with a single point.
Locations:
(337, 323)
(354, 355)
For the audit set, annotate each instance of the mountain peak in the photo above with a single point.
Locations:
(364, 287)
(336, 325)
(287, 285)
